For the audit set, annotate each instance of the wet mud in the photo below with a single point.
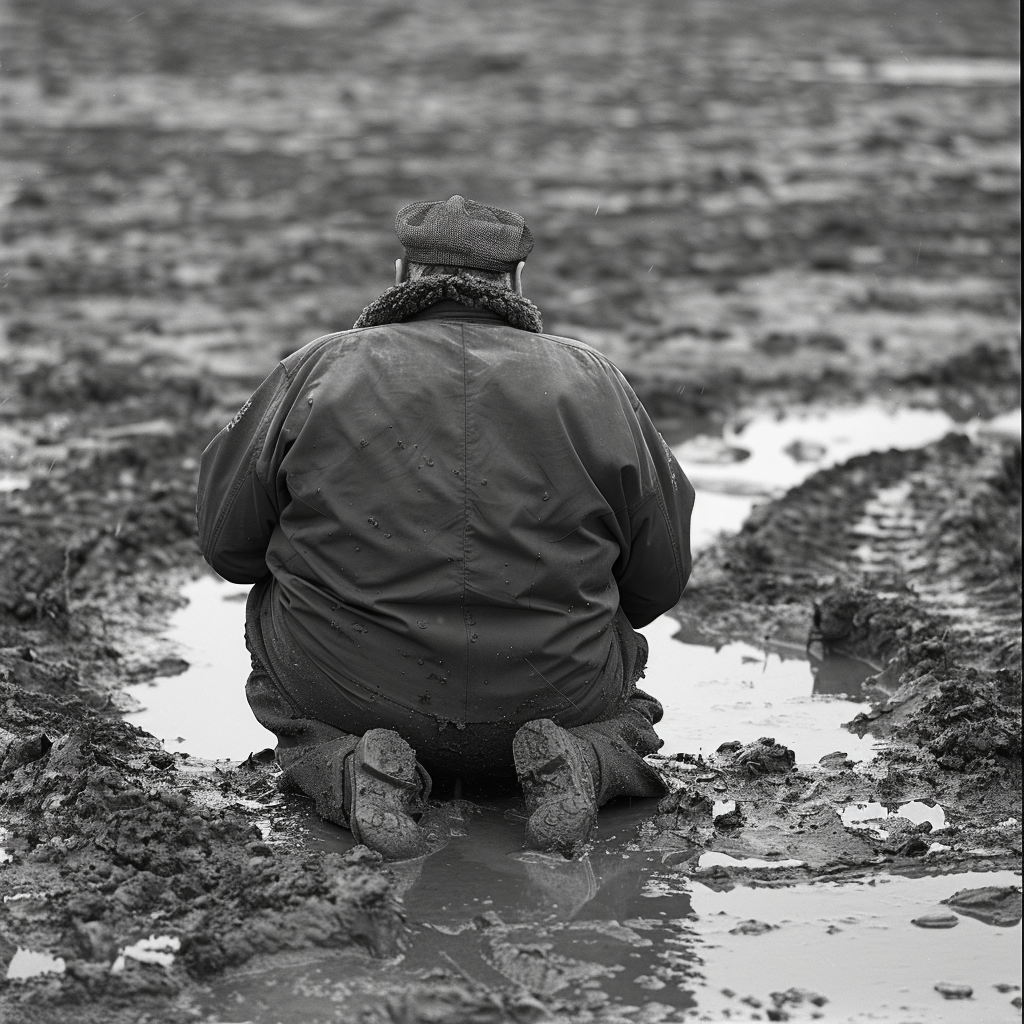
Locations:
(748, 211)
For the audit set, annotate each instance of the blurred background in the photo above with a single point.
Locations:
(746, 204)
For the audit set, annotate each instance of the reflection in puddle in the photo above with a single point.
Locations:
(918, 812)
(626, 926)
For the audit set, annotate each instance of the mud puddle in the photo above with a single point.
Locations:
(624, 928)
(763, 456)
(628, 926)
(734, 692)
(203, 711)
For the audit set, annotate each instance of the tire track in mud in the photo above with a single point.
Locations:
(909, 560)
(937, 528)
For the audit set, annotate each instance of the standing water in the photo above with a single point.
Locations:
(628, 925)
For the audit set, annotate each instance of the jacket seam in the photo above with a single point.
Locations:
(465, 509)
(657, 495)
(672, 539)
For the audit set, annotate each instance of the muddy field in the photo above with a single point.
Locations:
(749, 207)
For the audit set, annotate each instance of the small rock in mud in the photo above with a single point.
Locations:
(764, 757)
(936, 920)
(952, 990)
(838, 759)
(15, 752)
(995, 905)
(161, 759)
(805, 451)
(793, 997)
(752, 927)
(730, 820)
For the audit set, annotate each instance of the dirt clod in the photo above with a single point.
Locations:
(999, 906)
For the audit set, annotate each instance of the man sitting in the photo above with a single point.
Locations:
(454, 523)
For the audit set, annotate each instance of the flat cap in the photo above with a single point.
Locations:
(457, 232)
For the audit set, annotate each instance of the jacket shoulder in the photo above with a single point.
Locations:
(320, 346)
(587, 352)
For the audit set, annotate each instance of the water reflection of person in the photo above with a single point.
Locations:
(455, 524)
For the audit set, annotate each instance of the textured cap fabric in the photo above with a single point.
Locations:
(460, 233)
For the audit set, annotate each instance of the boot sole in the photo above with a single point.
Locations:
(384, 774)
(557, 786)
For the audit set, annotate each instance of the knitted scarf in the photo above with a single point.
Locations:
(403, 301)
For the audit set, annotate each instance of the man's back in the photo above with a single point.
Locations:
(455, 509)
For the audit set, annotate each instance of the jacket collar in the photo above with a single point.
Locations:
(448, 309)
(404, 301)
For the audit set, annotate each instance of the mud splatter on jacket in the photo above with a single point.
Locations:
(452, 510)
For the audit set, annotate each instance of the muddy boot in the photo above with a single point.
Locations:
(386, 790)
(558, 787)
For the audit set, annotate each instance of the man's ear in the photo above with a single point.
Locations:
(400, 271)
(517, 279)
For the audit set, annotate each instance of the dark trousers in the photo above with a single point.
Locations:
(479, 752)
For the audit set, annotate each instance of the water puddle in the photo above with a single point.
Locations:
(26, 963)
(741, 692)
(629, 927)
(154, 950)
(203, 711)
(866, 815)
(764, 456)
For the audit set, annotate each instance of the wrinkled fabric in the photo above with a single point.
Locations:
(448, 514)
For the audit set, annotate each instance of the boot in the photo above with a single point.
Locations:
(386, 790)
(371, 784)
(558, 786)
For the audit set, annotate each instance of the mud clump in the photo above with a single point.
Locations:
(752, 927)
(995, 905)
(688, 806)
(762, 757)
(937, 920)
(799, 999)
(111, 840)
(686, 813)
(953, 990)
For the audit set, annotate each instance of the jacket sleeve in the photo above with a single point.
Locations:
(654, 570)
(239, 501)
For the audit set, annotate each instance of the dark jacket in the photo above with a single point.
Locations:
(452, 511)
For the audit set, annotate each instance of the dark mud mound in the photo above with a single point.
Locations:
(995, 905)
(116, 840)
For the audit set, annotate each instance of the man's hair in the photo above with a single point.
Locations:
(502, 278)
